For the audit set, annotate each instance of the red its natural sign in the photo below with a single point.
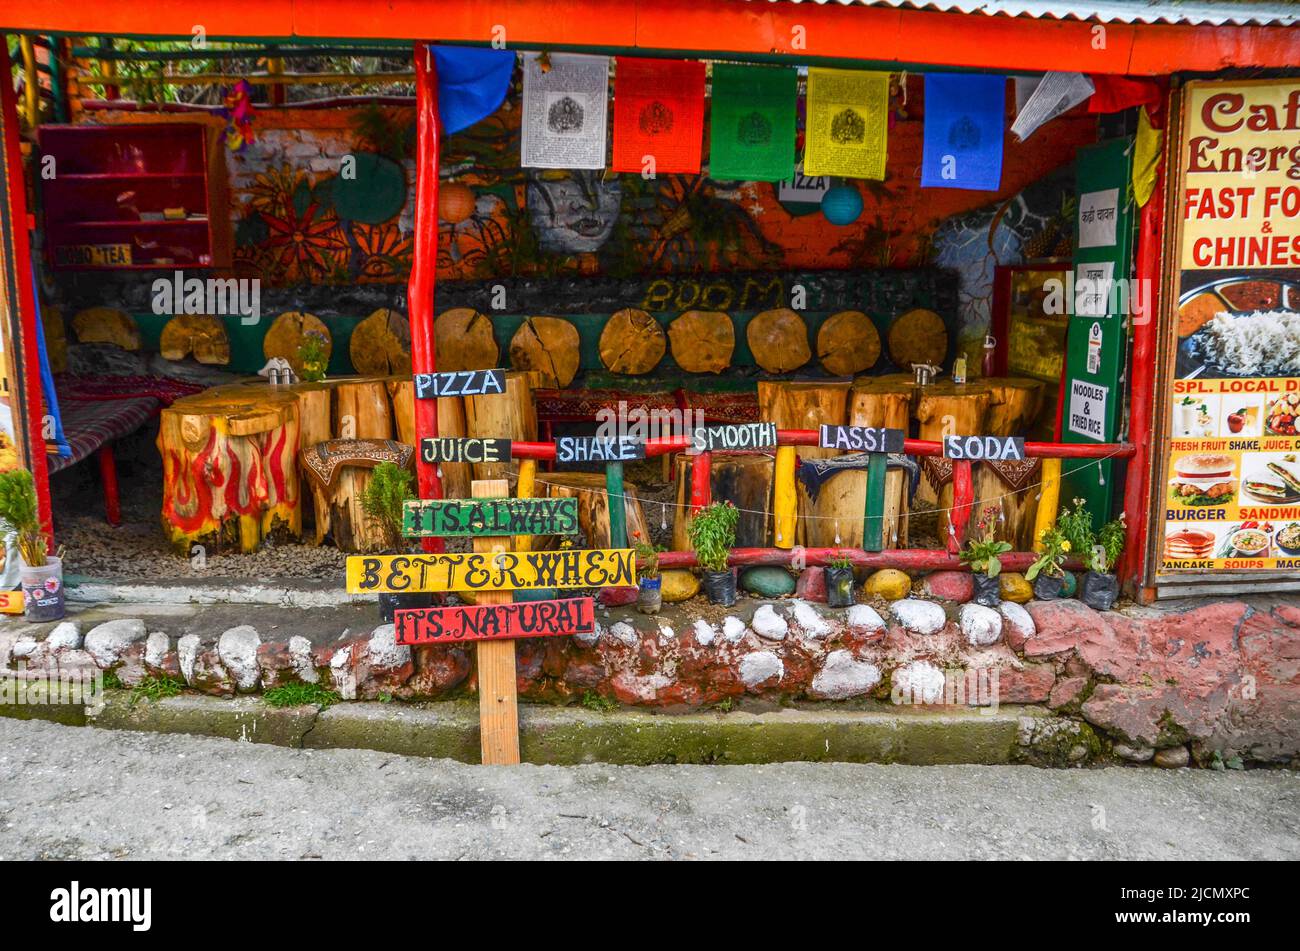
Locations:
(487, 622)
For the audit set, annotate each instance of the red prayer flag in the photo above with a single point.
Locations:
(1117, 93)
(658, 115)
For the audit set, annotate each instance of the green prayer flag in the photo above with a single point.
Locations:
(752, 128)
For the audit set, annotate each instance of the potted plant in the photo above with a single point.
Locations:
(1100, 588)
(983, 555)
(1047, 572)
(384, 499)
(312, 357)
(839, 581)
(41, 574)
(712, 534)
(649, 597)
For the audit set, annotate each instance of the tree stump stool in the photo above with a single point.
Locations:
(593, 507)
(947, 409)
(1010, 488)
(337, 473)
(804, 405)
(743, 479)
(229, 467)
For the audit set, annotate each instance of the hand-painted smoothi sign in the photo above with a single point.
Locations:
(1231, 457)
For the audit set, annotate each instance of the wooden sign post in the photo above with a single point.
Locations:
(498, 700)
(877, 442)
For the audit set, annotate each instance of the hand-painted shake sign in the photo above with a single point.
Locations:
(456, 449)
(485, 622)
(862, 438)
(459, 383)
(492, 571)
(598, 449)
(458, 518)
(740, 436)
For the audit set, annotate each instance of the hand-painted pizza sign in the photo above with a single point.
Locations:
(492, 571)
(485, 622)
(459, 383)
(460, 518)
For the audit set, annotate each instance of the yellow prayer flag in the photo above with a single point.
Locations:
(1146, 158)
(848, 121)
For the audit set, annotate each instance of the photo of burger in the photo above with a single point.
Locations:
(1206, 478)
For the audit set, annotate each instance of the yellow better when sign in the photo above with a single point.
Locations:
(492, 571)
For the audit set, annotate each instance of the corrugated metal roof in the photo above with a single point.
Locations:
(1190, 12)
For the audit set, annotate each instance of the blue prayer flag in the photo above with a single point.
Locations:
(965, 124)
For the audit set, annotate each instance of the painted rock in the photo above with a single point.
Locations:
(617, 596)
(956, 586)
(767, 581)
(889, 583)
(812, 584)
(677, 584)
(1069, 584)
(1013, 587)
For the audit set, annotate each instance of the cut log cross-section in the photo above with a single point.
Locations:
(632, 342)
(199, 335)
(381, 344)
(230, 470)
(287, 335)
(702, 341)
(778, 339)
(550, 346)
(465, 341)
(106, 325)
(848, 343)
(918, 336)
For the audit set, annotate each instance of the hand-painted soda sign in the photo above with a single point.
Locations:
(862, 438)
(739, 436)
(495, 621)
(976, 448)
(458, 518)
(459, 383)
(492, 571)
(455, 449)
(598, 448)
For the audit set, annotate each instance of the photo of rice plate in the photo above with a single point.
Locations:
(1240, 327)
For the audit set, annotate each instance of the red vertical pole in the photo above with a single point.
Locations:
(963, 497)
(15, 222)
(424, 263)
(701, 481)
(1142, 377)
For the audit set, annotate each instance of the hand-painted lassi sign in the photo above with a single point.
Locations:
(459, 383)
(485, 622)
(862, 438)
(455, 518)
(492, 571)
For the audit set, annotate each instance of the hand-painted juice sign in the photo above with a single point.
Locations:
(458, 518)
(492, 571)
(484, 622)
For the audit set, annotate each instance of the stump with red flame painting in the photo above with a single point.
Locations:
(230, 474)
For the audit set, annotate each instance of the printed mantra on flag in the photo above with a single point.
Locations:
(492, 571)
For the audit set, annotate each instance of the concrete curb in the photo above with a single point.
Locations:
(569, 736)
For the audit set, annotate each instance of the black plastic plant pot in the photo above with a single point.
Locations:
(388, 603)
(720, 587)
(839, 587)
(988, 591)
(1048, 587)
(1099, 591)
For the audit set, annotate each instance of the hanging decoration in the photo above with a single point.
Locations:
(1056, 93)
(658, 115)
(564, 111)
(238, 111)
(965, 121)
(848, 122)
(752, 123)
(842, 204)
(472, 83)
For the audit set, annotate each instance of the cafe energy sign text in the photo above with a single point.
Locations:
(1231, 465)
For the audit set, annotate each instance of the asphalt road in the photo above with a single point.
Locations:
(81, 793)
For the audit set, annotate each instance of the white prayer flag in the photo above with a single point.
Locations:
(565, 110)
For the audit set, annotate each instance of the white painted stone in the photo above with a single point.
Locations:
(980, 626)
(589, 638)
(705, 633)
(65, 637)
(384, 651)
(106, 642)
(769, 625)
(919, 617)
(300, 656)
(237, 648)
(917, 682)
(187, 652)
(666, 632)
(25, 647)
(863, 617)
(1020, 619)
(760, 667)
(733, 629)
(843, 676)
(810, 620)
(345, 680)
(156, 648)
(624, 633)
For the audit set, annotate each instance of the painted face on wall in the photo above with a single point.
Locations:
(572, 212)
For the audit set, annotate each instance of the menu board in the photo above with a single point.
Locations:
(1232, 453)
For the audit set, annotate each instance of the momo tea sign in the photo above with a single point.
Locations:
(559, 618)
(491, 571)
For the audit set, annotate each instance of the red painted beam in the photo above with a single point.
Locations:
(963, 498)
(701, 481)
(910, 559)
(424, 264)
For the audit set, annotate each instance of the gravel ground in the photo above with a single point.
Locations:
(82, 793)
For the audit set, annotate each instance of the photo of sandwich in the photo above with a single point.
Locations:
(1205, 478)
(1278, 483)
(1189, 544)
